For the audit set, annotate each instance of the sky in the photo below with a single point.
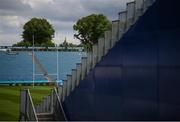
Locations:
(62, 14)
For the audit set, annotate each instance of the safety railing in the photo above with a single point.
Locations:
(58, 111)
(138, 8)
(27, 110)
(52, 104)
(107, 41)
(115, 34)
(130, 14)
(45, 106)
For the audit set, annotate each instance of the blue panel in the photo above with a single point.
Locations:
(169, 78)
(82, 106)
(140, 49)
(169, 112)
(140, 83)
(108, 107)
(169, 48)
(139, 109)
(139, 78)
(107, 83)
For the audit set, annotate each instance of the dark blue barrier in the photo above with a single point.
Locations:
(139, 79)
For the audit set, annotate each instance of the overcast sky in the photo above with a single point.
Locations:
(62, 14)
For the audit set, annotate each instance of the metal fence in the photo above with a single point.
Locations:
(27, 110)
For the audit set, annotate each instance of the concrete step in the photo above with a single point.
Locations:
(45, 117)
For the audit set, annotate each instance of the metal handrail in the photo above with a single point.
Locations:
(52, 104)
(58, 110)
(27, 110)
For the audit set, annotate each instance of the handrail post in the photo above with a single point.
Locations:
(69, 84)
(84, 67)
(23, 104)
(73, 79)
(58, 110)
(130, 14)
(27, 109)
(51, 101)
(95, 54)
(122, 24)
(60, 91)
(64, 91)
(100, 48)
(89, 61)
(78, 73)
(107, 41)
(115, 32)
(138, 9)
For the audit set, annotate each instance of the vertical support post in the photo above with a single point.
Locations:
(40, 107)
(27, 109)
(78, 73)
(139, 9)
(115, 32)
(69, 84)
(33, 62)
(73, 79)
(107, 40)
(84, 66)
(89, 61)
(37, 108)
(130, 14)
(122, 23)
(95, 54)
(52, 101)
(100, 48)
(147, 3)
(60, 92)
(57, 57)
(49, 103)
(44, 105)
(103, 44)
(64, 90)
(46, 101)
(23, 105)
(144, 6)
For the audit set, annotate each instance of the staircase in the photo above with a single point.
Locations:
(45, 117)
(50, 109)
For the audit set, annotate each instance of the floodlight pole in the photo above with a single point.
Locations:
(33, 61)
(57, 62)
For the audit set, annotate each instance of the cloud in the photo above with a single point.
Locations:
(62, 14)
(17, 5)
(108, 7)
(12, 38)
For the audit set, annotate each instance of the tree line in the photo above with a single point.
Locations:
(63, 44)
(88, 30)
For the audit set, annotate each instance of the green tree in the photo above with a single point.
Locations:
(41, 29)
(64, 44)
(91, 28)
(48, 44)
(22, 44)
(72, 45)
